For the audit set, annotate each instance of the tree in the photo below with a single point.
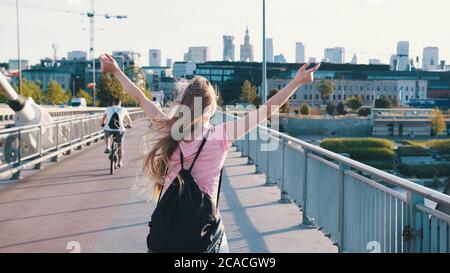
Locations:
(148, 93)
(383, 102)
(325, 88)
(354, 102)
(340, 109)
(83, 94)
(109, 88)
(249, 93)
(437, 122)
(2, 96)
(31, 89)
(331, 109)
(304, 110)
(285, 107)
(55, 94)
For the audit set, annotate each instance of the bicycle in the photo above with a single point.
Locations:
(114, 154)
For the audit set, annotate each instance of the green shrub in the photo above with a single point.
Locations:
(364, 112)
(304, 110)
(361, 149)
(413, 151)
(381, 165)
(425, 170)
(442, 146)
(339, 145)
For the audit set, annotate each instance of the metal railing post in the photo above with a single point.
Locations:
(18, 175)
(341, 191)
(284, 196)
(269, 182)
(56, 158)
(306, 223)
(249, 158)
(39, 165)
(412, 229)
(258, 149)
(70, 137)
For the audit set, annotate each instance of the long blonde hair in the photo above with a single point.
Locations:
(156, 161)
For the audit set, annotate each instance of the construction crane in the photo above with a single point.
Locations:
(91, 14)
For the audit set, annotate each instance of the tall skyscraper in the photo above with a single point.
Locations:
(335, 55)
(154, 57)
(228, 48)
(269, 50)
(299, 52)
(197, 54)
(402, 57)
(430, 58)
(246, 49)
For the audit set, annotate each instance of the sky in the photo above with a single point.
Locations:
(368, 28)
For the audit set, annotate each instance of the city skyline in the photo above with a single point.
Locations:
(38, 34)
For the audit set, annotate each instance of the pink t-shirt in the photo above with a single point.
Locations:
(206, 170)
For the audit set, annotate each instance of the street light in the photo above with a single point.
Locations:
(18, 48)
(264, 65)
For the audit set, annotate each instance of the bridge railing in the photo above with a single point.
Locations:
(361, 209)
(28, 146)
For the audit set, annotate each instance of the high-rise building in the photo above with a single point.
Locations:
(354, 59)
(183, 69)
(14, 64)
(169, 62)
(279, 58)
(269, 50)
(228, 48)
(246, 49)
(335, 55)
(154, 57)
(312, 60)
(401, 61)
(197, 54)
(127, 58)
(430, 58)
(76, 55)
(299, 52)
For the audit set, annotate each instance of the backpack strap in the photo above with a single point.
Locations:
(196, 155)
(218, 190)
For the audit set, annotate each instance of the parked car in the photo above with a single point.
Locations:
(78, 102)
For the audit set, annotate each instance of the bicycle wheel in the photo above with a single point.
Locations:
(112, 158)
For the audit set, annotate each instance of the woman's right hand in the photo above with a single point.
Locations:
(108, 64)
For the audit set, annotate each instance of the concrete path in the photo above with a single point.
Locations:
(75, 205)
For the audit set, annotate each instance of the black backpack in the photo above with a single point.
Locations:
(185, 219)
(114, 121)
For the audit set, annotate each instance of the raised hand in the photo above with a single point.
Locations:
(108, 64)
(304, 75)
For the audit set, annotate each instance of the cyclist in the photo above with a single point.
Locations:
(113, 124)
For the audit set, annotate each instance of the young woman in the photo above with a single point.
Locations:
(174, 151)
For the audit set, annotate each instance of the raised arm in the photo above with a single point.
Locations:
(238, 128)
(110, 65)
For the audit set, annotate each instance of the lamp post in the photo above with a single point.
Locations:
(19, 60)
(264, 65)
